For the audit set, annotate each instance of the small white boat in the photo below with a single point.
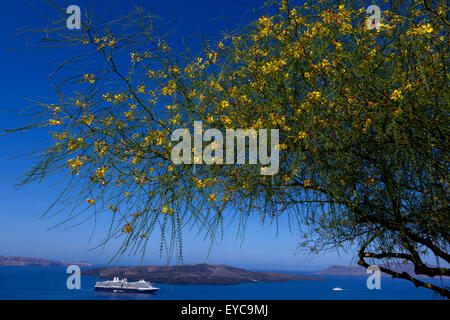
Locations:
(337, 289)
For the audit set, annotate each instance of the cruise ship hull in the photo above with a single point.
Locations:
(125, 290)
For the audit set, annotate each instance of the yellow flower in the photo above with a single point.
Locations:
(337, 44)
(89, 77)
(90, 201)
(427, 28)
(100, 173)
(307, 183)
(396, 95)
(61, 137)
(166, 209)
(302, 135)
(112, 42)
(213, 197)
(87, 120)
(226, 120)
(315, 95)
(172, 107)
(212, 57)
(134, 57)
(169, 89)
(75, 164)
(80, 104)
(74, 144)
(273, 66)
(209, 119)
(127, 228)
(326, 63)
(225, 104)
(199, 183)
(54, 122)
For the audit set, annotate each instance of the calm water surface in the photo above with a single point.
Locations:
(44, 283)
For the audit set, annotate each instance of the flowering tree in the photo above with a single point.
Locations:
(362, 115)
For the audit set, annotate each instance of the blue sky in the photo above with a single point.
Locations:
(25, 77)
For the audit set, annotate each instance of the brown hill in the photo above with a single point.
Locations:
(194, 274)
(361, 271)
(26, 261)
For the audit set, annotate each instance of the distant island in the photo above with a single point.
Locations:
(361, 271)
(194, 274)
(26, 261)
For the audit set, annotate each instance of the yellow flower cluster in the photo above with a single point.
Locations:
(265, 25)
(396, 95)
(87, 119)
(169, 89)
(167, 210)
(89, 78)
(75, 164)
(273, 66)
(302, 135)
(423, 29)
(104, 42)
(54, 122)
(75, 144)
(101, 171)
(138, 57)
(127, 228)
(315, 95)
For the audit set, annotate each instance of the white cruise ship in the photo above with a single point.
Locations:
(122, 285)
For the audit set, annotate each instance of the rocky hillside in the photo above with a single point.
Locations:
(25, 261)
(360, 271)
(194, 274)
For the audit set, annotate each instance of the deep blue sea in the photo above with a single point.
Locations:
(44, 283)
